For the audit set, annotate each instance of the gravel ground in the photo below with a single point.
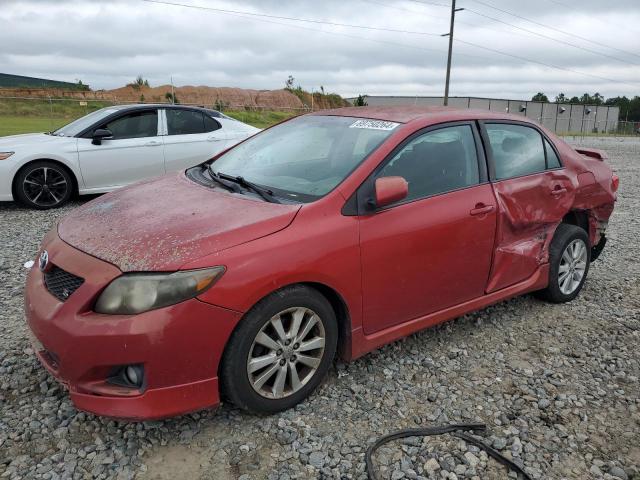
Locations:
(557, 386)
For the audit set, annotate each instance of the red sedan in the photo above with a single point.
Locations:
(329, 234)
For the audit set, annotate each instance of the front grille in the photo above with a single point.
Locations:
(60, 283)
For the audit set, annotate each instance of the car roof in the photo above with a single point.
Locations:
(408, 114)
(142, 106)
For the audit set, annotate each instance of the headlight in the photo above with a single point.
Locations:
(139, 292)
(5, 155)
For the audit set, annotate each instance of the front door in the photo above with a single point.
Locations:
(533, 192)
(192, 137)
(433, 249)
(133, 153)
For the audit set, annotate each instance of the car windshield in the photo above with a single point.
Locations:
(77, 126)
(305, 158)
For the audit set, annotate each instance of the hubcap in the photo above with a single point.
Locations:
(286, 352)
(573, 264)
(45, 186)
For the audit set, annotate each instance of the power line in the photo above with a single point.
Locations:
(542, 35)
(569, 7)
(462, 22)
(528, 60)
(263, 17)
(341, 34)
(306, 20)
(556, 29)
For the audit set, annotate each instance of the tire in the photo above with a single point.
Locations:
(567, 240)
(42, 185)
(243, 375)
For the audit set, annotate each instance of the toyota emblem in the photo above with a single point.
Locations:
(43, 261)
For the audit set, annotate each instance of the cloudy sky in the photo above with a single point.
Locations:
(107, 44)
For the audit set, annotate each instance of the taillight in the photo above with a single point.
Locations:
(615, 182)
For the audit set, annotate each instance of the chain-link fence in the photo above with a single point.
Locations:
(28, 114)
(38, 114)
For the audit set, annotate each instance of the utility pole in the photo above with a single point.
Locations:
(450, 35)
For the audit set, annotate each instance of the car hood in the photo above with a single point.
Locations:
(161, 224)
(13, 141)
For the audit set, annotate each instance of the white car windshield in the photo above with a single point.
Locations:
(74, 128)
(307, 157)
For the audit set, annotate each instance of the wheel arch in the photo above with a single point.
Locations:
(72, 174)
(338, 305)
(343, 317)
(578, 218)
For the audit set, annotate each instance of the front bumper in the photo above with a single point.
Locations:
(179, 346)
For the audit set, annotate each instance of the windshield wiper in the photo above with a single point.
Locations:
(214, 176)
(263, 192)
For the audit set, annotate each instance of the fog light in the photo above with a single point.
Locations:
(133, 375)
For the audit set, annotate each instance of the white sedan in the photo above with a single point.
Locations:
(111, 148)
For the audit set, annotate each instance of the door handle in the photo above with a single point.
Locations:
(558, 190)
(213, 139)
(481, 209)
(152, 143)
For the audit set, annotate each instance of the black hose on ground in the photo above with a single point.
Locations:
(455, 429)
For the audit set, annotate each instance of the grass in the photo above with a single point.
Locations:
(29, 116)
(261, 119)
(14, 125)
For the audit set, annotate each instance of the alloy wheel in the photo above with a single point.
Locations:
(45, 186)
(286, 352)
(573, 264)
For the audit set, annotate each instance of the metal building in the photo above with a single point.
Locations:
(561, 118)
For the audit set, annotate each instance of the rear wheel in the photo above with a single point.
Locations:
(42, 185)
(569, 258)
(280, 351)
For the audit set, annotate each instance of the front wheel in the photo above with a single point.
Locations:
(43, 185)
(281, 350)
(569, 259)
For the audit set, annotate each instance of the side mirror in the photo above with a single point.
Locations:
(99, 135)
(390, 190)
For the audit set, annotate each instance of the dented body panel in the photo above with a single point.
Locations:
(387, 273)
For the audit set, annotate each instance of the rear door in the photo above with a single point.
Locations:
(533, 193)
(433, 249)
(191, 137)
(133, 153)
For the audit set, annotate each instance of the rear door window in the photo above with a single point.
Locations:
(517, 150)
(185, 122)
(210, 124)
(552, 158)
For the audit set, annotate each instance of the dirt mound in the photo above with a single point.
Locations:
(210, 96)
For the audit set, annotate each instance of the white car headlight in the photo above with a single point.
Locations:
(5, 155)
(139, 292)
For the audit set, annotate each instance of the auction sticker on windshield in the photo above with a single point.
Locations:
(374, 124)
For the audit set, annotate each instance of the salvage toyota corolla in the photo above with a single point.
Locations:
(330, 234)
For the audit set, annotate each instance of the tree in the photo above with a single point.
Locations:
(539, 97)
(138, 83)
(322, 89)
(586, 99)
(171, 97)
(360, 101)
(574, 100)
(288, 83)
(560, 98)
